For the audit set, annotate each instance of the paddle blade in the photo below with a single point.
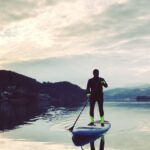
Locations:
(71, 128)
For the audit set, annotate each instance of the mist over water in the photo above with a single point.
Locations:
(130, 129)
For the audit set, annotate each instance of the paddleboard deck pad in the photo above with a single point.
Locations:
(94, 131)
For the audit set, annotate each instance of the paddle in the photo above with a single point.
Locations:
(71, 128)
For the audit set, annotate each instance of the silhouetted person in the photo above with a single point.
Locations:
(101, 146)
(95, 93)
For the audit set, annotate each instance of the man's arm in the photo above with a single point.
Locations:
(104, 83)
(88, 92)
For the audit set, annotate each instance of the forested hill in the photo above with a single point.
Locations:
(18, 86)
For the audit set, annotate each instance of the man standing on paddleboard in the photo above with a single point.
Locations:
(95, 94)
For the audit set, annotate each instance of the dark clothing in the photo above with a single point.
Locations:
(95, 88)
(100, 106)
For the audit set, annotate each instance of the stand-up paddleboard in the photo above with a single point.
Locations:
(95, 131)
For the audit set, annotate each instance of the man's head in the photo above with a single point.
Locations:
(96, 73)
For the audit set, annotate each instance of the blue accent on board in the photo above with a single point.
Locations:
(91, 131)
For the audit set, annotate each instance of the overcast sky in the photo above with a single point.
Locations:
(64, 40)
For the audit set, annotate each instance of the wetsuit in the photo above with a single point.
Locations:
(95, 89)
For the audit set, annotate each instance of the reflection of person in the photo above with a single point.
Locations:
(95, 93)
(101, 146)
(102, 143)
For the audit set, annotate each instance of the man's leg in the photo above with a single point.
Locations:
(92, 105)
(101, 110)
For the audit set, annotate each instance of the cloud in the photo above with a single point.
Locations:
(118, 22)
(42, 35)
(116, 69)
(15, 10)
(112, 34)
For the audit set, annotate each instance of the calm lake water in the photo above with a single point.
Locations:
(130, 129)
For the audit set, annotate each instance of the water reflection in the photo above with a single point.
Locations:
(13, 115)
(48, 132)
(101, 146)
(82, 141)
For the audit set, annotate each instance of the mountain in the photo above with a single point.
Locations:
(22, 98)
(127, 93)
(63, 93)
(20, 86)
(9, 78)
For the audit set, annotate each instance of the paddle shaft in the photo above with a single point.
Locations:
(78, 117)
